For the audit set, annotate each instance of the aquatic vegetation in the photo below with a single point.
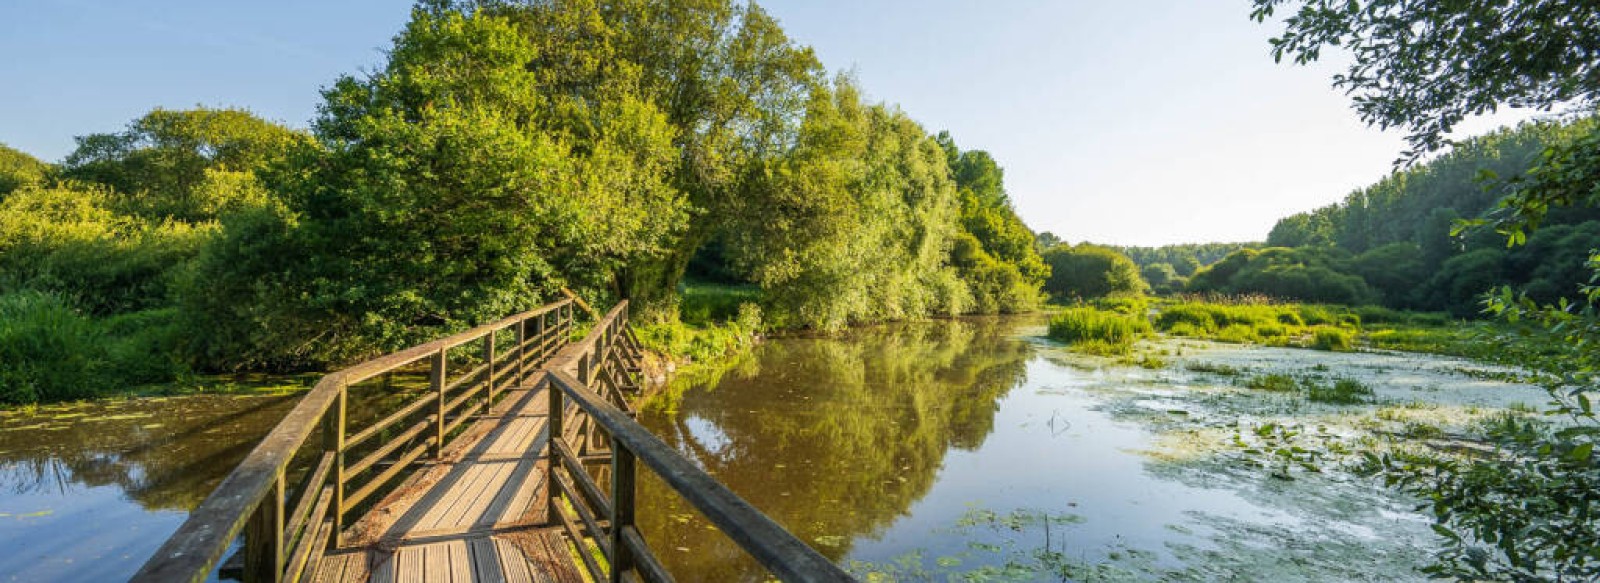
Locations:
(1331, 338)
(1213, 368)
(1341, 392)
(1098, 332)
(52, 352)
(1281, 449)
(1274, 382)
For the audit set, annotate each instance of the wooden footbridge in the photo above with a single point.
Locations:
(473, 479)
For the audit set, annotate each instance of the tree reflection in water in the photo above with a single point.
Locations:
(835, 438)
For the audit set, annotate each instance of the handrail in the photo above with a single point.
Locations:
(194, 550)
(570, 373)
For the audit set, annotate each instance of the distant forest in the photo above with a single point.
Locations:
(1402, 242)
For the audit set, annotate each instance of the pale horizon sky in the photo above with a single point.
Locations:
(1117, 122)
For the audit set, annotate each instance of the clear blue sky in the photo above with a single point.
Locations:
(1149, 122)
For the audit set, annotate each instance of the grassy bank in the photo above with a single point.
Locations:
(716, 322)
(1111, 327)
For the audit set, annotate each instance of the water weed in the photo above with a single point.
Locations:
(1098, 332)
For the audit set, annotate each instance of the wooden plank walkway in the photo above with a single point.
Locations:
(473, 516)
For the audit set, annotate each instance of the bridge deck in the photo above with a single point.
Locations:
(470, 517)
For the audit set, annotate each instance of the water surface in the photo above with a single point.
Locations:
(973, 448)
(88, 491)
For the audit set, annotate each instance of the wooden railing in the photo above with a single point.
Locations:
(285, 532)
(596, 374)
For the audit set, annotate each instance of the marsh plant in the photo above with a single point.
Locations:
(1098, 332)
(1341, 391)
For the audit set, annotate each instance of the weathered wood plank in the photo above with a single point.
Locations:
(513, 564)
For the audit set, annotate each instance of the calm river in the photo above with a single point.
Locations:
(966, 449)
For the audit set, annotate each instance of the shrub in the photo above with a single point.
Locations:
(1237, 333)
(1331, 338)
(51, 352)
(1091, 271)
(1194, 317)
(1186, 329)
(68, 241)
(1100, 332)
(1315, 315)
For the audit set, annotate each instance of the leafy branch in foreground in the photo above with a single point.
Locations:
(1527, 511)
(1426, 66)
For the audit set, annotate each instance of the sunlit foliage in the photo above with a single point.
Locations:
(1088, 271)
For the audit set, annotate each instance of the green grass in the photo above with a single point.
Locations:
(1098, 332)
(51, 352)
(1332, 339)
(716, 321)
(1258, 321)
(704, 304)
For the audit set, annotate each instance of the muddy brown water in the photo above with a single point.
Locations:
(967, 449)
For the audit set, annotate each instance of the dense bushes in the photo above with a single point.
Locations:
(17, 169)
(1305, 274)
(53, 353)
(68, 241)
(1089, 271)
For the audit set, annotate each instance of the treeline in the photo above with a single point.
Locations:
(1397, 242)
(1168, 268)
(503, 152)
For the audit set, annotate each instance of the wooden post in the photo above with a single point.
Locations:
(263, 550)
(488, 379)
(522, 353)
(436, 380)
(585, 376)
(621, 509)
(333, 431)
(553, 419)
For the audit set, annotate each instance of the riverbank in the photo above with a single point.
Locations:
(1112, 327)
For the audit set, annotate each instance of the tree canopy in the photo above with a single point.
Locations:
(1427, 66)
(1087, 271)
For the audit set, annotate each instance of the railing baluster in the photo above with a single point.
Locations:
(263, 540)
(488, 378)
(436, 380)
(333, 441)
(621, 509)
(522, 352)
(553, 419)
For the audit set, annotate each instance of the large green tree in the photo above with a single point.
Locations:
(996, 253)
(730, 83)
(856, 219)
(448, 188)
